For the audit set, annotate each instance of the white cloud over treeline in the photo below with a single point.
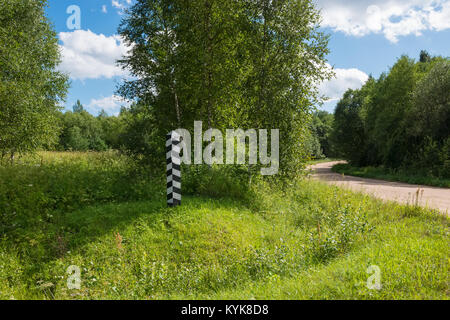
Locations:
(87, 55)
(392, 18)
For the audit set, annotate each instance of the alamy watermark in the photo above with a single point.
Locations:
(74, 278)
(374, 281)
(74, 20)
(236, 147)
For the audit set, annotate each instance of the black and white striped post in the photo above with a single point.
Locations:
(173, 150)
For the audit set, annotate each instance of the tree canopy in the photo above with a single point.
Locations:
(30, 87)
(400, 120)
(247, 64)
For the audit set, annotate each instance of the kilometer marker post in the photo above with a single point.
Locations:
(173, 150)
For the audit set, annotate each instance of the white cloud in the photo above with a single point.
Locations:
(110, 104)
(87, 55)
(393, 18)
(116, 4)
(121, 5)
(441, 20)
(345, 79)
(104, 9)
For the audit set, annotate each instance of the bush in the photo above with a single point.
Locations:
(216, 181)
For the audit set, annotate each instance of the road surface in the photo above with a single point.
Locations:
(425, 196)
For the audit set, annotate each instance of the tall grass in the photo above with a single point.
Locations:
(261, 240)
(37, 189)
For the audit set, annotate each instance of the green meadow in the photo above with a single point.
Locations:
(106, 215)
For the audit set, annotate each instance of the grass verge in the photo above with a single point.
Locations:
(413, 177)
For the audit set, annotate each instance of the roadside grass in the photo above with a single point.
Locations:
(412, 266)
(303, 241)
(413, 177)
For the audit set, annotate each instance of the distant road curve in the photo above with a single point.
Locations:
(431, 197)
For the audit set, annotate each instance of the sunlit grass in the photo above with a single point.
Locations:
(310, 241)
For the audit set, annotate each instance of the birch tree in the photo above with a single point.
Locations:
(30, 87)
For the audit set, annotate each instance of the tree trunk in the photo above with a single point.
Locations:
(208, 62)
(262, 94)
(177, 106)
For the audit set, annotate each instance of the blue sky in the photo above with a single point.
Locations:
(367, 36)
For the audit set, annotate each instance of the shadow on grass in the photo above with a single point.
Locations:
(71, 231)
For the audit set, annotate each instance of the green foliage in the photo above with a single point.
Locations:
(30, 87)
(305, 240)
(81, 131)
(323, 126)
(349, 129)
(388, 110)
(36, 187)
(424, 56)
(232, 64)
(312, 144)
(78, 107)
(319, 140)
(141, 135)
(430, 114)
(400, 121)
(216, 181)
(75, 140)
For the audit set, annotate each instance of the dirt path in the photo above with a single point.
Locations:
(431, 197)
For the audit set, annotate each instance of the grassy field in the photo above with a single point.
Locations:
(106, 215)
(413, 177)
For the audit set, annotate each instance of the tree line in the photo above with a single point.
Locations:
(231, 64)
(81, 131)
(400, 120)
